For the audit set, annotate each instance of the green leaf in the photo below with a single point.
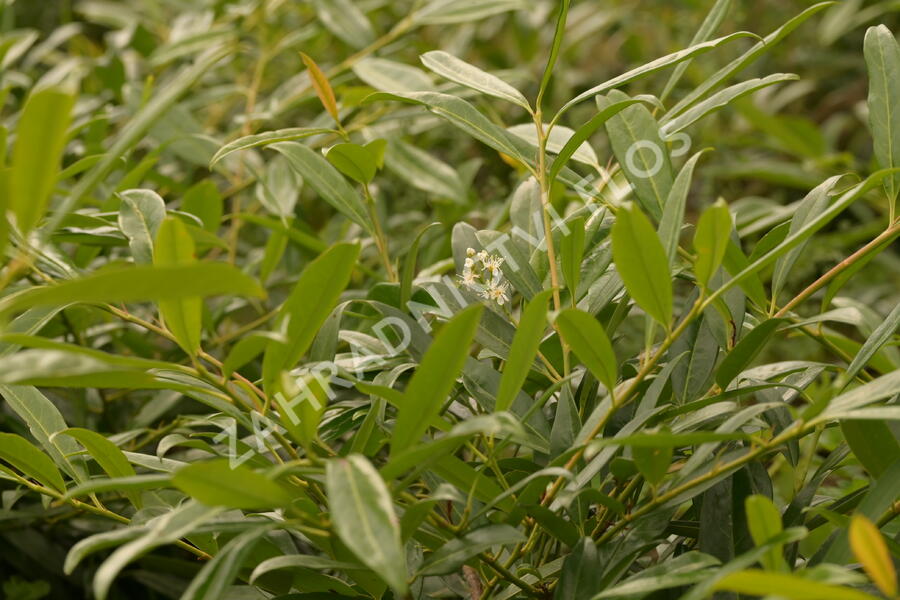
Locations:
(445, 12)
(739, 63)
(219, 483)
(108, 456)
(651, 67)
(308, 305)
(424, 171)
(434, 379)
(673, 210)
(642, 263)
(364, 519)
(44, 421)
(326, 181)
(392, 76)
(30, 461)
(204, 201)
(764, 522)
(264, 139)
(584, 132)
(652, 461)
(711, 240)
(354, 161)
(458, 71)
(522, 351)
(589, 341)
(872, 442)
(453, 555)
(783, 585)
(174, 246)
(138, 284)
(409, 265)
(582, 572)
(467, 118)
(571, 253)
(36, 156)
(215, 578)
(745, 351)
(721, 99)
(166, 529)
(883, 63)
(636, 141)
(141, 212)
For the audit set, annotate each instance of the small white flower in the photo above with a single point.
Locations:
(492, 263)
(482, 256)
(469, 278)
(497, 294)
(470, 252)
(469, 263)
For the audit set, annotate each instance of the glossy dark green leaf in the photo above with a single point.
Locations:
(36, 156)
(642, 263)
(434, 379)
(590, 343)
(30, 461)
(523, 349)
(745, 351)
(364, 518)
(220, 483)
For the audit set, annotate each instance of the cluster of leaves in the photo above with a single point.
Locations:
(297, 303)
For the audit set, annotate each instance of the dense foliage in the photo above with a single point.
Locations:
(449, 299)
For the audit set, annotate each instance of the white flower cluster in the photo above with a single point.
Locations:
(482, 274)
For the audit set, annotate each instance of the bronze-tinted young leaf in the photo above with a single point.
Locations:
(320, 84)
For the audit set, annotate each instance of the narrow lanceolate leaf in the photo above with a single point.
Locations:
(590, 343)
(783, 585)
(584, 132)
(871, 551)
(309, 304)
(571, 253)
(642, 263)
(215, 578)
(36, 156)
(326, 181)
(174, 246)
(883, 63)
(29, 461)
(456, 70)
(467, 118)
(44, 420)
(523, 349)
(652, 67)
(764, 522)
(745, 351)
(363, 517)
(673, 210)
(141, 212)
(139, 284)
(434, 379)
(711, 240)
(265, 139)
(721, 99)
(220, 483)
(322, 87)
(110, 458)
(452, 555)
(643, 155)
